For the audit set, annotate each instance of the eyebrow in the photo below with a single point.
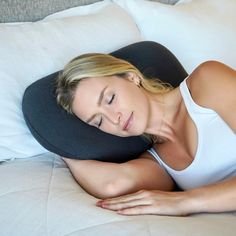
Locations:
(99, 102)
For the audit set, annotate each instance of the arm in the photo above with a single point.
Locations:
(219, 197)
(104, 179)
(212, 85)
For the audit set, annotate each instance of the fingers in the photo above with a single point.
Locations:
(147, 202)
(127, 201)
(125, 198)
(137, 210)
(124, 204)
(129, 205)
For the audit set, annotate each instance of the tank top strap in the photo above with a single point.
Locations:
(153, 152)
(188, 100)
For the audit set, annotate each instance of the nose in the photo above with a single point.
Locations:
(114, 117)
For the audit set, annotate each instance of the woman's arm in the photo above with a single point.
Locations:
(219, 197)
(104, 179)
(212, 85)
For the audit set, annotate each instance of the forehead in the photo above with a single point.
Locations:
(90, 85)
(87, 94)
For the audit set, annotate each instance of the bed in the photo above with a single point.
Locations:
(38, 195)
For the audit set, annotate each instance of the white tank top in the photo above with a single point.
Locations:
(215, 158)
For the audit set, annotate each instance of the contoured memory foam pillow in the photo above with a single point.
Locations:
(68, 136)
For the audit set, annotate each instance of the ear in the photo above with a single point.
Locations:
(134, 78)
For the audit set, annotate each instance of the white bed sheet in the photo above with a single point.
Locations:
(38, 196)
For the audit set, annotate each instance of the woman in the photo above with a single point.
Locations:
(193, 128)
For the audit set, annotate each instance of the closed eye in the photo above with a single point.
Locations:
(100, 123)
(111, 100)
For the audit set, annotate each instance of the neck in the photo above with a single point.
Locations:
(164, 109)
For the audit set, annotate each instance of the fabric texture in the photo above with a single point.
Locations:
(39, 197)
(34, 10)
(194, 30)
(66, 135)
(30, 51)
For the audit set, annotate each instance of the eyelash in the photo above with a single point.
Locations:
(100, 123)
(110, 102)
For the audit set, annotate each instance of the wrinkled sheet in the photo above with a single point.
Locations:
(38, 196)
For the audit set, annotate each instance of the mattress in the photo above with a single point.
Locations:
(39, 196)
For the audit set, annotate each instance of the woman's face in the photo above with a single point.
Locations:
(113, 104)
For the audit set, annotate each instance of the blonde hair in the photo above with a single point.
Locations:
(98, 65)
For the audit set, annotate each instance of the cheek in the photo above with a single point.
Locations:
(140, 101)
(109, 129)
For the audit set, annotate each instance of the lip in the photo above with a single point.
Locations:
(128, 122)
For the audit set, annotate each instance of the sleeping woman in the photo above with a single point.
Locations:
(192, 127)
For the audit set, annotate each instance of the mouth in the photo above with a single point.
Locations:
(128, 122)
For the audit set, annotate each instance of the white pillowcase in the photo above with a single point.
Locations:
(30, 51)
(195, 31)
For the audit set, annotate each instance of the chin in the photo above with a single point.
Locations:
(135, 134)
(127, 134)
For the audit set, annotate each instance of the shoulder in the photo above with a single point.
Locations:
(212, 71)
(213, 85)
(212, 81)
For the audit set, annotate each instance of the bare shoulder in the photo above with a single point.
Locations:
(212, 71)
(213, 85)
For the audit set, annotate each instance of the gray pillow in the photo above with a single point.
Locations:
(66, 135)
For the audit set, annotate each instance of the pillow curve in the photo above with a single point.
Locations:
(66, 135)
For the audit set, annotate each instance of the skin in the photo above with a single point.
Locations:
(170, 120)
(117, 106)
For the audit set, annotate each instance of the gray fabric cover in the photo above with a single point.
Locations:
(33, 10)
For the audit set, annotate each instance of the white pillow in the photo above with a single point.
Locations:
(30, 51)
(195, 31)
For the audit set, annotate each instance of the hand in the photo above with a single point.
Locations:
(148, 202)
